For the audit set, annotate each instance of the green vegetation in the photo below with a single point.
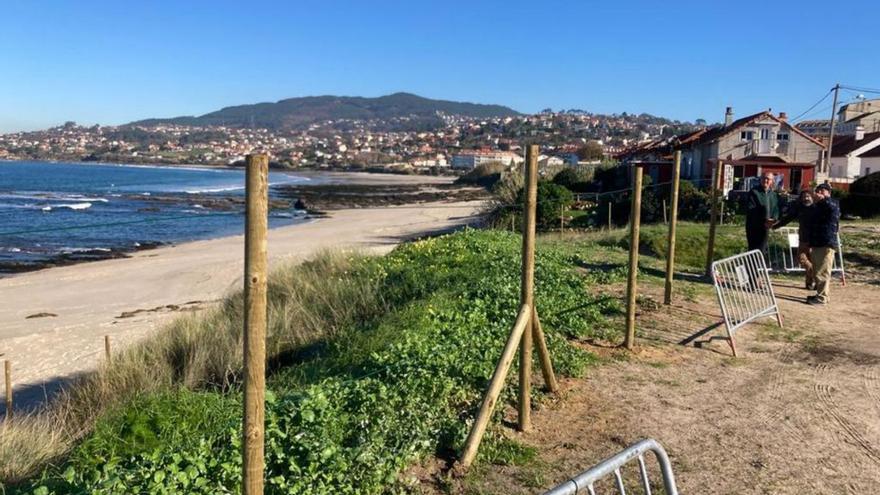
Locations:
(375, 363)
(297, 113)
(863, 195)
(690, 246)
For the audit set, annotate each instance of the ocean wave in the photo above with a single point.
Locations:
(49, 196)
(213, 190)
(71, 250)
(71, 206)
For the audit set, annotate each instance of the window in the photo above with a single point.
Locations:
(868, 171)
(746, 135)
(782, 136)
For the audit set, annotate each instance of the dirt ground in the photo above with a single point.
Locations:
(797, 413)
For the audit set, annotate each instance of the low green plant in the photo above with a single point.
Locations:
(348, 412)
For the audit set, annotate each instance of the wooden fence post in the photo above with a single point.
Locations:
(107, 347)
(713, 218)
(673, 214)
(631, 287)
(561, 219)
(609, 212)
(527, 288)
(255, 321)
(7, 372)
(526, 331)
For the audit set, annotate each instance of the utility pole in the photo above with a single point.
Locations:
(827, 168)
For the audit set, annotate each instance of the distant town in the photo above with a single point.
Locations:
(432, 141)
(458, 143)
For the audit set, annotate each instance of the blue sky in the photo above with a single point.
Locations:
(114, 62)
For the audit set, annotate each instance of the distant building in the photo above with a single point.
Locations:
(863, 113)
(854, 156)
(750, 146)
(470, 159)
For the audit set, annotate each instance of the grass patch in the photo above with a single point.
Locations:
(375, 364)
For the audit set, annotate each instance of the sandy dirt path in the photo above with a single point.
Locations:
(797, 413)
(129, 298)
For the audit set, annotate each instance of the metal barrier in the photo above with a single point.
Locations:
(782, 255)
(588, 478)
(744, 291)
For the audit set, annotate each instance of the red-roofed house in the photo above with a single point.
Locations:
(750, 146)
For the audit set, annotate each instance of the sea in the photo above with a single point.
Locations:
(61, 213)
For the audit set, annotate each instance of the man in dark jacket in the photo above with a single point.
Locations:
(802, 211)
(762, 212)
(823, 241)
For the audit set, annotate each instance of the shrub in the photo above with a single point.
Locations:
(864, 196)
(483, 175)
(551, 199)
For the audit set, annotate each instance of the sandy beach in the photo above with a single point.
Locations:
(53, 322)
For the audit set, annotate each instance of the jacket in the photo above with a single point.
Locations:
(760, 206)
(824, 224)
(804, 215)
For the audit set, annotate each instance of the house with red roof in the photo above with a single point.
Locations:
(747, 147)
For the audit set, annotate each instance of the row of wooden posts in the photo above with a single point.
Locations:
(525, 336)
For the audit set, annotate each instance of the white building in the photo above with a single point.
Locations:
(855, 156)
(470, 159)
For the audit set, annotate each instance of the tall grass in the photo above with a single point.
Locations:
(307, 303)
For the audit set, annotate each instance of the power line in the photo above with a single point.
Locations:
(861, 90)
(812, 107)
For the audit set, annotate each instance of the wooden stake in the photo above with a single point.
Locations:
(713, 219)
(673, 213)
(526, 329)
(488, 405)
(665, 221)
(527, 289)
(561, 219)
(543, 353)
(107, 347)
(609, 212)
(255, 316)
(635, 218)
(7, 370)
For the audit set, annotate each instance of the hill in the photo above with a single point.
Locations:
(398, 110)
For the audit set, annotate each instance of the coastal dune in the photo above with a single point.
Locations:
(53, 322)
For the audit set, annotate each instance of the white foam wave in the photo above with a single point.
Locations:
(71, 206)
(214, 190)
(41, 196)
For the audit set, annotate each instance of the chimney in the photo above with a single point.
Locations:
(860, 132)
(728, 116)
(783, 116)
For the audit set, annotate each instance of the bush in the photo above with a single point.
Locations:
(576, 179)
(483, 175)
(551, 199)
(864, 196)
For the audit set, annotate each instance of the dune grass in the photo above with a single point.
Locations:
(193, 352)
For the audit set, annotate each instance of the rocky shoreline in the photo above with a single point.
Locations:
(321, 198)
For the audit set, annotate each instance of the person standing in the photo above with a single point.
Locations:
(802, 210)
(823, 241)
(762, 212)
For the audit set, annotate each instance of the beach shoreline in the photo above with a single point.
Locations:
(53, 321)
